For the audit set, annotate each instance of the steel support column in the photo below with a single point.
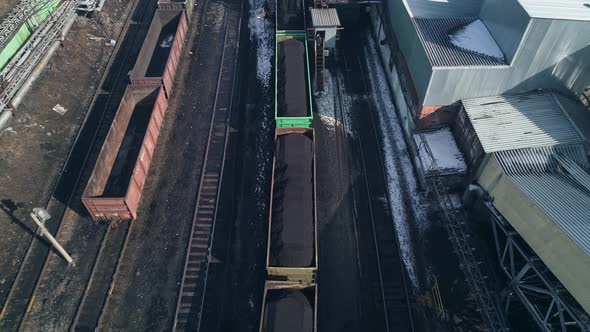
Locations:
(531, 282)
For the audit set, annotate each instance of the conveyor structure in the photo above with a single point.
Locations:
(27, 34)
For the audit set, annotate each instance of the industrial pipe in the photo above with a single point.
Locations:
(5, 119)
(17, 99)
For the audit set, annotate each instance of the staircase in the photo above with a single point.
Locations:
(319, 59)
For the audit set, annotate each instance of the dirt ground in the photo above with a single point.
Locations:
(39, 139)
(149, 278)
(6, 6)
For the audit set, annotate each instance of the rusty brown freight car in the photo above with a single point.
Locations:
(114, 189)
(288, 306)
(161, 50)
(177, 5)
(292, 252)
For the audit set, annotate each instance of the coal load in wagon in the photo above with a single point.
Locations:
(290, 15)
(289, 310)
(292, 222)
(292, 97)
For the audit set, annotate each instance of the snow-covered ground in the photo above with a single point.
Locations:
(439, 153)
(475, 37)
(325, 103)
(261, 35)
(261, 31)
(407, 205)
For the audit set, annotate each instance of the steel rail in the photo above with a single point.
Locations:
(190, 304)
(63, 173)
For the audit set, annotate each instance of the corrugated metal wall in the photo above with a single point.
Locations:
(410, 45)
(14, 45)
(565, 259)
(540, 64)
(437, 9)
(507, 21)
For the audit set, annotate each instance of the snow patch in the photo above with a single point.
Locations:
(325, 103)
(167, 43)
(261, 32)
(439, 153)
(475, 37)
(329, 122)
(407, 205)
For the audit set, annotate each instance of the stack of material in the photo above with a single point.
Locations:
(287, 310)
(292, 93)
(292, 231)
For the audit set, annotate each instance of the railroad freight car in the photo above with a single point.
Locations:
(289, 306)
(161, 50)
(290, 15)
(114, 189)
(293, 106)
(292, 251)
(186, 5)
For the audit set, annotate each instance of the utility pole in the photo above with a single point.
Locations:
(40, 215)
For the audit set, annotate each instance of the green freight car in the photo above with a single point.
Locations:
(293, 105)
(42, 10)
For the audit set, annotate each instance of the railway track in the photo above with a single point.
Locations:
(33, 269)
(394, 287)
(96, 296)
(191, 304)
(341, 135)
(389, 284)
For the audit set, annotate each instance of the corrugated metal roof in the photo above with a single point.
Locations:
(560, 188)
(557, 9)
(520, 121)
(434, 35)
(324, 17)
(541, 160)
(432, 9)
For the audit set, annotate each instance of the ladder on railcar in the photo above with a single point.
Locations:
(319, 42)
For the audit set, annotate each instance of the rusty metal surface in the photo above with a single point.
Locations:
(97, 201)
(157, 62)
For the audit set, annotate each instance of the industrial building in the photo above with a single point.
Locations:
(507, 77)
(164, 166)
(455, 50)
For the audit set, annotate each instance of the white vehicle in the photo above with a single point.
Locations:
(89, 6)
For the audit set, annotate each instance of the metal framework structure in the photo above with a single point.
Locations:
(491, 313)
(532, 284)
(16, 17)
(16, 72)
(585, 97)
